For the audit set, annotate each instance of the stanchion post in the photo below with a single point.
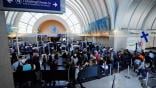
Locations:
(128, 75)
(49, 47)
(147, 76)
(131, 62)
(128, 70)
(113, 84)
(37, 41)
(110, 69)
(118, 67)
(17, 43)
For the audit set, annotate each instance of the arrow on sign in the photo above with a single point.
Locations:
(55, 4)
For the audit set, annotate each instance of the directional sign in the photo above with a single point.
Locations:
(45, 6)
(145, 36)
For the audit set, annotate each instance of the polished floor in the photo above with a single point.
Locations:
(120, 81)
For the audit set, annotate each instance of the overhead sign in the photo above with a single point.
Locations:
(44, 6)
(100, 24)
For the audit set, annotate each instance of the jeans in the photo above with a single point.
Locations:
(142, 72)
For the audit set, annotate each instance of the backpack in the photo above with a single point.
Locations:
(19, 68)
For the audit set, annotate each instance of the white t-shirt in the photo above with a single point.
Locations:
(105, 66)
(75, 60)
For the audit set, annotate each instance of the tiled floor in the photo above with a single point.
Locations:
(123, 82)
(120, 81)
(152, 80)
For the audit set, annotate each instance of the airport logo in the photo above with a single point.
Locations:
(145, 36)
(9, 1)
(53, 29)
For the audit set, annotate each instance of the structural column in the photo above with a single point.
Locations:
(93, 39)
(118, 40)
(6, 76)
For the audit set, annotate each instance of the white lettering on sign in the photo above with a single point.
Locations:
(34, 3)
(38, 3)
(18, 1)
(9, 1)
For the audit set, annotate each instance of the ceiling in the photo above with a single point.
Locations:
(136, 15)
(123, 14)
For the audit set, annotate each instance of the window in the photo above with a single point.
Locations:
(28, 20)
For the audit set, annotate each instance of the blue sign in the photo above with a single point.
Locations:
(47, 6)
(100, 24)
(145, 35)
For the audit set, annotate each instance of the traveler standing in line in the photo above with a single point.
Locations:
(44, 62)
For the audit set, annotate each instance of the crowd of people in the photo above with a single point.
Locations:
(77, 54)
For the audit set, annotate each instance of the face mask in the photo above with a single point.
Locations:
(75, 55)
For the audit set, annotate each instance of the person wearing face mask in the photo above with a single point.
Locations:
(141, 69)
(75, 59)
(44, 61)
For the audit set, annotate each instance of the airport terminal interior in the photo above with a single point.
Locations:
(87, 44)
